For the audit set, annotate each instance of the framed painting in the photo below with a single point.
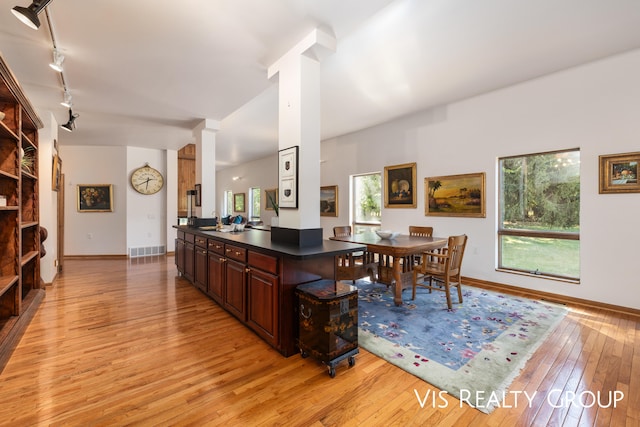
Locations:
(400, 186)
(94, 197)
(271, 199)
(455, 195)
(288, 178)
(329, 200)
(619, 173)
(238, 202)
(198, 188)
(56, 173)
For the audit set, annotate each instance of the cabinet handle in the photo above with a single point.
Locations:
(222, 259)
(228, 250)
(238, 253)
(247, 270)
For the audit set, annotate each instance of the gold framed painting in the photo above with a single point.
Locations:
(455, 195)
(400, 186)
(238, 202)
(94, 197)
(329, 200)
(619, 173)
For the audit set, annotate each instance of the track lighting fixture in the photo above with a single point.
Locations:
(58, 59)
(29, 15)
(67, 100)
(70, 125)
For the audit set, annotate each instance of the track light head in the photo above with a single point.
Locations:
(70, 125)
(29, 15)
(58, 59)
(67, 100)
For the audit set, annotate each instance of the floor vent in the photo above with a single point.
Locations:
(146, 251)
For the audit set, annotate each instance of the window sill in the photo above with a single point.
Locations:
(540, 276)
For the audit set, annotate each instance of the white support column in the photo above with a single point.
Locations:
(299, 122)
(205, 135)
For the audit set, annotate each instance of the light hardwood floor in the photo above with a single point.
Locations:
(126, 342)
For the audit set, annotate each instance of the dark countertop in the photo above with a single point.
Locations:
(261, 239)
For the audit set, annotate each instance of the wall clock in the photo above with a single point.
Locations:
(147, 180)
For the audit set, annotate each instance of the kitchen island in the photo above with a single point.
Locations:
(254, 278)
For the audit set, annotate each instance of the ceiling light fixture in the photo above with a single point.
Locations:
(58, 59)
(67, 100)
(71, 124)
(29, 15)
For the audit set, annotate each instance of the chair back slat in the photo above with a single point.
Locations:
(342, 231)
(416, 230)
(456, 246)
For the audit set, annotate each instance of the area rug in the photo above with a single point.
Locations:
(472, 352)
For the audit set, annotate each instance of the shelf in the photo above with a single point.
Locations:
(29, 224)
(5, 131)
(8, 208)
(9, 175)
(28, 257)
(28, 141)
(6, 282)
(26, 174)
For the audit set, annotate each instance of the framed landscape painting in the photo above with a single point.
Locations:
(238, 202)
(455, 195)
(94, 197)
(400, 186)
(619, 173)
(329, 200)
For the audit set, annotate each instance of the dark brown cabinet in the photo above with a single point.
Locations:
(262, 312)
(216, 277)
(235, 289)
(200, 263)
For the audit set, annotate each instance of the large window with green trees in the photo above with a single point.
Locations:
(539, 208)
(227, 208)
(366, 202)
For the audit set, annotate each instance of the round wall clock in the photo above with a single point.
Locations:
(147, 180)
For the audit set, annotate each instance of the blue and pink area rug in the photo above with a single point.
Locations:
(473, 352)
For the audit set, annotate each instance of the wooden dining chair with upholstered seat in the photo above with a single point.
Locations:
(443, 267)
(355, 265)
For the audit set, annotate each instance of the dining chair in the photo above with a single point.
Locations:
(443, 267)
(418, 230)
(355, 265)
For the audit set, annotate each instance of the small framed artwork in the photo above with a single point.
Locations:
(619, 173)
(400, 186)
(288, 177)
(56, 173)
(94, 197)
(329, 200)
(455, 195)
(238, 202)
(271, 199)
(198, 188)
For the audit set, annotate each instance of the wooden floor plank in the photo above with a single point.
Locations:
(124, 342)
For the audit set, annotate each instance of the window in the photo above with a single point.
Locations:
(227, 208)
(254, 204)
(539, 208)
(366, 200)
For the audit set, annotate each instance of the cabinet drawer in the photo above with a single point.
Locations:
(216, 246)
(235, 252)
(201, 241)
(264, 262)
(180, 234)
(188, 237)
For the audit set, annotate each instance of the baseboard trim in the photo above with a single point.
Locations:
(80, 257)
(549, 296)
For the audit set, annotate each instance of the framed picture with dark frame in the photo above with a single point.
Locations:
(619, 173)
(238, 202)
(455, 195)
(56, 175)
(288, 178)
(329, 200)
(94, 197)
(198, 188)
(400, 186)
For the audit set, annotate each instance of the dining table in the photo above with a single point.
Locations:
(395, 256)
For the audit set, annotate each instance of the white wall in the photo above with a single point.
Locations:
(593, 107)
(48, 197)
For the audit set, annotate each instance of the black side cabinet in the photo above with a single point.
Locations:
(328, 314)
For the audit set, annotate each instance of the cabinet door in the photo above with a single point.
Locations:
(216, 277)
(180, 255)
(262, 312)
(235, 289)
(201, 259)
(189, 254)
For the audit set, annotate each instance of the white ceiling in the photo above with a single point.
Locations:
(145, 72)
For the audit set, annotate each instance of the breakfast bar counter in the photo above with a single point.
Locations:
(254, 278)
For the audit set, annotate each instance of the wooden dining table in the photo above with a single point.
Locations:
(395, 256)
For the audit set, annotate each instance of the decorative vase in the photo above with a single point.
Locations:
(275, 221)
